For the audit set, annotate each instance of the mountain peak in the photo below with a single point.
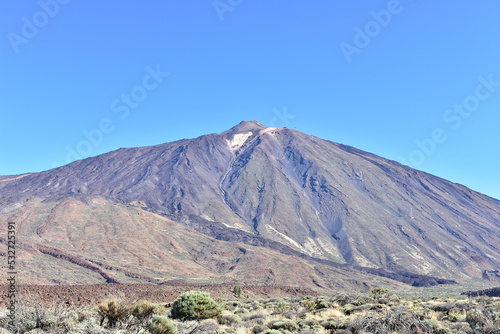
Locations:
(244, 127)
(239, 134)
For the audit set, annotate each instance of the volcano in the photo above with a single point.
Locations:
(253, 203)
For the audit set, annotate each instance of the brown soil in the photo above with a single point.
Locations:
(166, 293)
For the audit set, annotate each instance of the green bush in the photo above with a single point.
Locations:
(228, 319)
(49, 323)
(454, 316)
(322, 304)
(280, 308)
(29, 325)
(259, 329)
(329, 324)
(431, 323)
(161, 325)
(286, 325)
(237, 291)
(347, 309)
(143, 309)
(308, 304)
(359, 302)
(309, 326)
(194, 305)
(379, 292)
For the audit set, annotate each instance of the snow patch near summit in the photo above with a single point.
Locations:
(238, 140)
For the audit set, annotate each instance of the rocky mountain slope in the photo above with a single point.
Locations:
(303, 196)
(71, 242)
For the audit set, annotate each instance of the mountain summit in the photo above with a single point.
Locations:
(300, 195)
(245, 127)
(241, 133)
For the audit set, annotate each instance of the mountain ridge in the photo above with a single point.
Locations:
(322, 199)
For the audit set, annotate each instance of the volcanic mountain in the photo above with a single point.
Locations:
(253, 203)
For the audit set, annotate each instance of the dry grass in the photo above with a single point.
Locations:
(327, 313)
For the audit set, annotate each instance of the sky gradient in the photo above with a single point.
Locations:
(412, 81)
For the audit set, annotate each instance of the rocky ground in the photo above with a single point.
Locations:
(80, 295)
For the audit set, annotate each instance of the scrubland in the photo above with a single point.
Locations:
(378, 311)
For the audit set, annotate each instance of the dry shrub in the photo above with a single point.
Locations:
(32, 313)
(205, 327)
(259, 329)
(285, 325)
(228, 319)
(113, 311)
(254, 315)
(329, 313)
(392, 322)
(142, 312)
(161, 325)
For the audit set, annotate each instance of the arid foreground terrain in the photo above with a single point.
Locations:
(182, 309)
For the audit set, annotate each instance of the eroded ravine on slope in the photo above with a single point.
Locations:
(234, 144)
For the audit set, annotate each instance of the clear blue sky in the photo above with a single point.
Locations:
(377, 75)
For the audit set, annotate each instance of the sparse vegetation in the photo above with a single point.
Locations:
(32, 314)
(237, 291)
(375, 312)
